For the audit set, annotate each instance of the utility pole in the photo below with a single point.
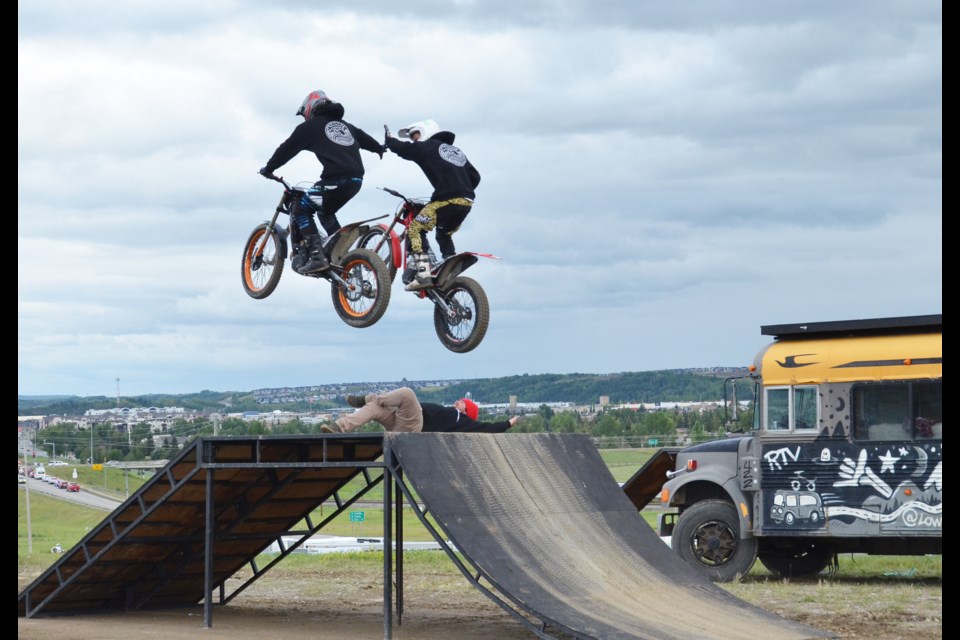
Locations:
(54, 448)
(29, 524)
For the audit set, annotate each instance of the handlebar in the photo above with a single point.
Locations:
(275, 178)
(394, 193)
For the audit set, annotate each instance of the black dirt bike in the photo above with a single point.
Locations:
(461, 312)
(360, 282)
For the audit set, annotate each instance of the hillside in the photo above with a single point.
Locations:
(579, 388)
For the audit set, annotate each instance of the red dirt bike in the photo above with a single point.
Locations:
(360, 282)
(461, 312)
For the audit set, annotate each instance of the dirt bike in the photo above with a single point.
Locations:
(360, 282)
(461, 312)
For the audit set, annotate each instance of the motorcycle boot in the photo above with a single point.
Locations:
(410, 271)
(316, 257)
(423, 277)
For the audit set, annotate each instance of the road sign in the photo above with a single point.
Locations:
(97, 467)
(356, 516)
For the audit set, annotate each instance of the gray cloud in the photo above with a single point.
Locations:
(658, 179)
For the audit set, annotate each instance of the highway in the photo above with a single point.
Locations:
(85, 497)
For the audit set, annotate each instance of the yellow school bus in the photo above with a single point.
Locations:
(845, 455)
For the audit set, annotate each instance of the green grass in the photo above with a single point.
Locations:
(56, 521)
(52, 521)
(623, 463)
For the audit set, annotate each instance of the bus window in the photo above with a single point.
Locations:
(928, 410)
(778, 409)
(791, 408)
(805, 408)
(898, 411)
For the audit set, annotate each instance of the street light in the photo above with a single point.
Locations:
(54, 449)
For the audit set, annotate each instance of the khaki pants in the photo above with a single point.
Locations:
(397, 410)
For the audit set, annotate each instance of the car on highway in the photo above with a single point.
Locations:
(57, 463)
(73, 486)
(21, 479)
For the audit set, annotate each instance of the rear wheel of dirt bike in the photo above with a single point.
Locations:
(262, 265)
(464, 328)
(367, 295)
(370, 241)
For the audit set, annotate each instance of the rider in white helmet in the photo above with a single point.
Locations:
(421, 130)
(454, 182)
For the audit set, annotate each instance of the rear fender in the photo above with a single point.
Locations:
(347, 236)
(453, 267)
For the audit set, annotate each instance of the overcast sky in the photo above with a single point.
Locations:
(659, 179)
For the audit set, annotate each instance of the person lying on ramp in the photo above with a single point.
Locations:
(400, 410)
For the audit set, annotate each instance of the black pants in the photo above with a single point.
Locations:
(325, 198)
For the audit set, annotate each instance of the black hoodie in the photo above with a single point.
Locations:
(335, 142)
(437, 417)
(445, 165)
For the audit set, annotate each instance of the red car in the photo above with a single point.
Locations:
(73, 486)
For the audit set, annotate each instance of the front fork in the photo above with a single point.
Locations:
(283, 207)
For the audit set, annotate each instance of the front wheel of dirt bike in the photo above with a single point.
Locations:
(262, 265)
(464, 327)
(370, 241)
(365, 298)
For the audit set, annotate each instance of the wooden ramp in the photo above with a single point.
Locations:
(541, 521)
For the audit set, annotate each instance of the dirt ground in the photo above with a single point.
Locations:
(349, 604)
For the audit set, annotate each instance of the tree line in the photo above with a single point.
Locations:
(103, 442)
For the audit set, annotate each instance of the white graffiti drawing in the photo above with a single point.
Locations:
(797, 483)
(784, 455)
(912, 514)
(936, 478)
(856, 474)
(889, 461)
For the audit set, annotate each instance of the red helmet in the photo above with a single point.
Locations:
(311, 103)
(470, 408)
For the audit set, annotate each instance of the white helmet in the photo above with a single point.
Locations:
(426, 128)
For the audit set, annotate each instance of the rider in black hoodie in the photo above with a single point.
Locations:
(454, 182)
(337, 144)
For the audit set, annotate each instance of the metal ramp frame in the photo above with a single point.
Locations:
(204, 517)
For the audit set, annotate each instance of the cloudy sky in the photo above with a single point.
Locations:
(659, 179)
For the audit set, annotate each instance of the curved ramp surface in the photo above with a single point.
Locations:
(541, 518)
